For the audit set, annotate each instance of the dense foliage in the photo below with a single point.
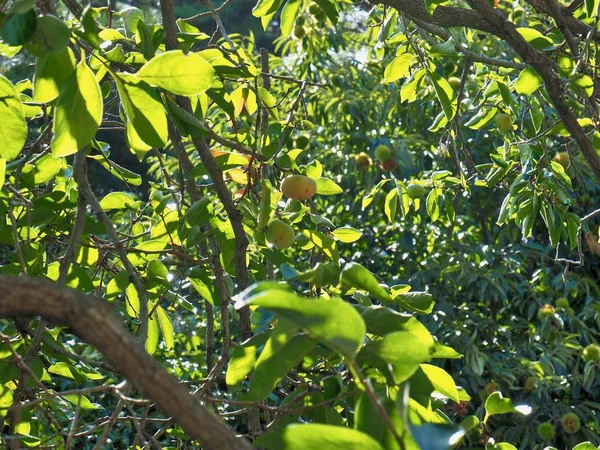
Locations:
(374, 232)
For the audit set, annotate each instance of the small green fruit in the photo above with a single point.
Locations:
(591, 353)
(546, 431)
(363, 161)
(315, 9)
(545, 312)
(570, 423)
(562, 302)
(503, 122)
(454, 82)
(302, 141)
(530, 384)
(383, 153)
(298, 187)
(563, 159)
(299, 32)
(415, 190)
(280, 234)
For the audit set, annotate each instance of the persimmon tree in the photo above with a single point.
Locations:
(271, 277)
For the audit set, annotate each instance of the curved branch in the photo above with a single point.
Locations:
(443, 16)
(96, 322)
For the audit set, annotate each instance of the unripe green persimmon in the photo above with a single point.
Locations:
(563, 159)
(298, 187)
(530, 384)
(415, 190)
(562, 302)
(280, 234)
(363, 161)
(454, 82)
(503, 122)
(383, 153)
(591, 353)
(299, 31)
(546, 431)
(545, 312)
(570, 423)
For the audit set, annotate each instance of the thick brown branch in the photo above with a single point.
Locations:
(443, 16)
(548, 71)
(96, 322)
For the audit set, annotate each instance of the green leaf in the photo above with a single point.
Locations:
(591, 6)
(330, 9)
(243, 358)
(166, 327)
(323, 274)
(358, 276)
(51, 73)
(288, 16)
(585, 83)
(282, 352)
(536, 39)
(368, 199)
(13, 130)
(346, 234)
(199, 213)
(497, 404)
(441, 381)
(325, 186)
(178, 73)
(17, 29)
(265, 8)
(503, 446)
(317, 436)
(469, 422)
(391, 205)
(6, 399)
(432, 436)
(421, 302)
(202, 281)
(46, 168)
(80, 401)
(146, 117)
(118, 171)
(367, 418)
(404, 350)
(116, 200)
(152, 339)
(483, 117)
(585, 446)
(433, 207)
(323, 243)
(528, 82)
(443, 351)
(78, 112)
(2, 171)
(445, 94)
(334, 322)
(62, 369)
(398, 68)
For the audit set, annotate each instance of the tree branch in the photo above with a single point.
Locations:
(96, 322)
